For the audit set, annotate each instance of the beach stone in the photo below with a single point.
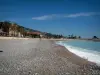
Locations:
(1, 51)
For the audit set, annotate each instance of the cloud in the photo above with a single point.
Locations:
(82, 14)
(42, 17)
(55, 16)
(46, 17)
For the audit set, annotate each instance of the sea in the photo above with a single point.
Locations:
(86, 49)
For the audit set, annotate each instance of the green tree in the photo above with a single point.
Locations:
(95, 37)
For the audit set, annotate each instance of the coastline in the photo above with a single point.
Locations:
(66, 53)
(42, 57)
(75, 59)
(80, 65)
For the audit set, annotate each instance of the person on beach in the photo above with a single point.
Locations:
(40, 37)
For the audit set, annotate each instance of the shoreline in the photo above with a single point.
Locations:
(86, 58)
(75, 59)
(82, 62)
(42, 57)
(72, 55)
(53, 40)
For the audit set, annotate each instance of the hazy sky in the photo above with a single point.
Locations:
(79, 17)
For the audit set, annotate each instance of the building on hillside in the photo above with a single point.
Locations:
(13, 31)
(34, 34)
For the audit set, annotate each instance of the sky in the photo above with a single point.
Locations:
(78, 17)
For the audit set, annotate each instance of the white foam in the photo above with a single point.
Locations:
(84, 53)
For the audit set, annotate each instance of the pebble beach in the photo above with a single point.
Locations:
(41, 57)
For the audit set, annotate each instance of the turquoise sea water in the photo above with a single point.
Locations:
(86, 49)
